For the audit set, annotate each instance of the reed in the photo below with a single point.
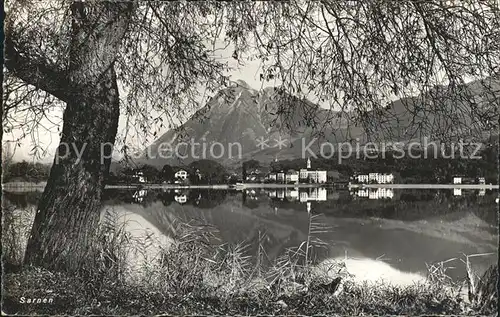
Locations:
(196, 274)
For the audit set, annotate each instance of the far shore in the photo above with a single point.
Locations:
(219, 186)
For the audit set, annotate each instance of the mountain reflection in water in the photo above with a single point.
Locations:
(391, 230)
(391, 234)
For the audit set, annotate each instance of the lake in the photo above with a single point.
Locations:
(379, 233)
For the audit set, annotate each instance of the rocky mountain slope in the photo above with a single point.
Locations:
(244, 116)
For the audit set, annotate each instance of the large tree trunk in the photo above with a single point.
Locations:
(69, 209)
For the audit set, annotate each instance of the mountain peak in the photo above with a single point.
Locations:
(243, 84)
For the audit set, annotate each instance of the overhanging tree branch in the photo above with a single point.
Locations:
(35, 72)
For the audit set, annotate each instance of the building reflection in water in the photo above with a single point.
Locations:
(139, 195)
(313, 194)
(181, 199)
(374, 193)
(282, 196)
(469, 192)
(306, 196)
(310, 194)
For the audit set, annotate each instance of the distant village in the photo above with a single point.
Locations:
(255, 175)
(289, 172)
(265, 175)
(306, 175)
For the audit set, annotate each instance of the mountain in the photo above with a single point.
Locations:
(242, 115)
(442, 112)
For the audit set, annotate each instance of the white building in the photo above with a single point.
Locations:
(308, 175)
(378, 178)
(139, 176)
(381, 178)
(292, 176)
(182, 174)
(362, 178)
(317, 176)
(457, 191)
(457, 180)
(271, 177)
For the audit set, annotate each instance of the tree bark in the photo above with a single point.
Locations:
(69, 210)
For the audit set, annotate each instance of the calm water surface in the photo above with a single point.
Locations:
(389, 234)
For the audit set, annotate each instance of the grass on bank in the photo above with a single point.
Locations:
(192, 276)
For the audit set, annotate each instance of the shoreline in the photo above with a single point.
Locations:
(217, 186)
(21, 187)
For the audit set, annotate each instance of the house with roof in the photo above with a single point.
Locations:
(181, 174)
(280, 177)
(139, 177)
(292, 177)
(271, 177)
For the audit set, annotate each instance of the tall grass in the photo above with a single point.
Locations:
(16, 229)
(196, 273)
(482, 291)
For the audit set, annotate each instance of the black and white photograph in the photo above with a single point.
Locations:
(278, 158)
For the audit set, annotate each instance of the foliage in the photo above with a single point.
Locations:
(353, 56)
(249, 165)
(207, 198)
(26, 171)
(167, 173)
(150, 172)
(207, 172)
